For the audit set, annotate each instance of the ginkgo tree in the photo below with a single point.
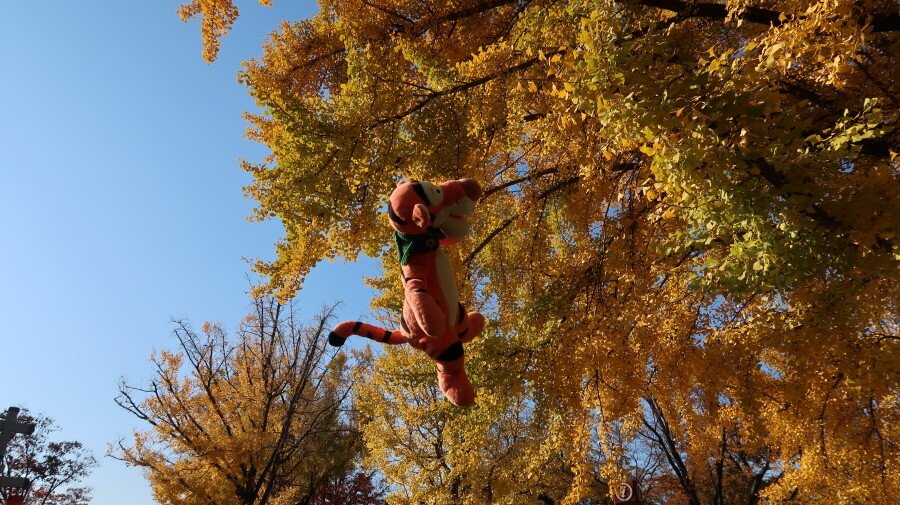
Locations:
(258, 418)
(687, 242)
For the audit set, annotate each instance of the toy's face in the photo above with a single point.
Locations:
(417, 206)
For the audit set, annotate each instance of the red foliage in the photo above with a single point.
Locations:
(354, 489)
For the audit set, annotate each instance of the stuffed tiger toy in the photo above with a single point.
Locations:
(426, 216)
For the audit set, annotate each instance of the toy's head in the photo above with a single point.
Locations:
(418, 206)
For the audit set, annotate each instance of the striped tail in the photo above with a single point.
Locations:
(342, 332)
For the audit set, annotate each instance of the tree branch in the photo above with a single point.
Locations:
(455, 89)
(544, 194)
(758, 15)
(494, 189)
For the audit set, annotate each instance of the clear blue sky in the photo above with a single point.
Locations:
(121, 204)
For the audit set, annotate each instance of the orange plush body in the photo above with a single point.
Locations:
(424, 217)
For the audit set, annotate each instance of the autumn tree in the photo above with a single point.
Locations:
(54, 468)
(259, 418)
(687, 237)
(355, 488)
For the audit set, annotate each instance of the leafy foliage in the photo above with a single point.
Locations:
(54, 468)
(259, 419)
(216, 18)
(351, 489)
(687, 244)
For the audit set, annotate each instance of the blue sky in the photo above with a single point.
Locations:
(121, 203)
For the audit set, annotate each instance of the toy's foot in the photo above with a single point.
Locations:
(455, 385)
(335, 340)
(458, 390)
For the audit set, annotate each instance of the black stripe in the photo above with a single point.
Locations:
(387, 336)
(356, 326)
(462, 333)
(403, 324)
(452, 353)
(336, 340)
(394, 217)
(462, 313)
(421, 192)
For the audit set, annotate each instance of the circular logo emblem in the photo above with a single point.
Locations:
(624, 492)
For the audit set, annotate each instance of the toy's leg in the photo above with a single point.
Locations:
(452, 378)
(454, 382)
(343, 331)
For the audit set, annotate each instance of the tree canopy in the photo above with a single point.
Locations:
(687, 240)
(54, 468)
(260, 418)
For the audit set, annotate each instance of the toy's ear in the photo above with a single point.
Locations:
(421, 217)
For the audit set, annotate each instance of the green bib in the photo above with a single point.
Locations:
(411, 245)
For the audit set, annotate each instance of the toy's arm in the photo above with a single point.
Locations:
(425, 309)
